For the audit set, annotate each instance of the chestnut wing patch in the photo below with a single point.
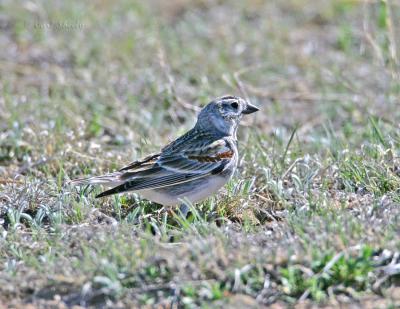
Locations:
(218, 157)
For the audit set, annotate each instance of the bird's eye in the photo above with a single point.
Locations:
(235, 105)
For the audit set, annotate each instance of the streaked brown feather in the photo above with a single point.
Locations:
(216, 158)
(147, 161)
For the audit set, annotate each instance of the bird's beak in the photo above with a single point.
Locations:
(250, 109)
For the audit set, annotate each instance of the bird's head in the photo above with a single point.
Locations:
(224, 114)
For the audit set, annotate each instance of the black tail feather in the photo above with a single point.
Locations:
(114, 190)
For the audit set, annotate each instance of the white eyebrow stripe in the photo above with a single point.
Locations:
(229, 100)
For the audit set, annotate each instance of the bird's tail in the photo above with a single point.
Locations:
(109, 180)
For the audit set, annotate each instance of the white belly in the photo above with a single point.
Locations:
(197, 194)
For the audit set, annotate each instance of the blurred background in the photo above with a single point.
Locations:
(313, 212)
(128, 71)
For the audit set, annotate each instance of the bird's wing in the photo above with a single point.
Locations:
(192, 139)
(197, 157)
(196, 160)
(148, 161)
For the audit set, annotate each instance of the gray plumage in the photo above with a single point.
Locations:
(193, 166)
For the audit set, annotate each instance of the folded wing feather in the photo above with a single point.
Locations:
(172, 168)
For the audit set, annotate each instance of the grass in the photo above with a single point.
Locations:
(311, 217)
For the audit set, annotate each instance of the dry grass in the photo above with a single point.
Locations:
(311, 218)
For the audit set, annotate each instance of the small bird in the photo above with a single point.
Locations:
(193, 167)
